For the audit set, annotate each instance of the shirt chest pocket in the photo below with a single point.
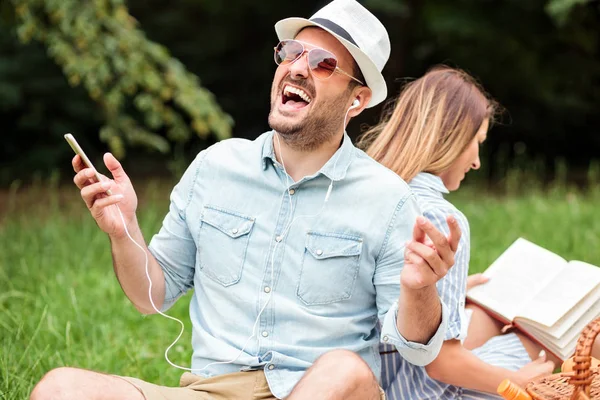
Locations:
(223, 241)
(330, 265)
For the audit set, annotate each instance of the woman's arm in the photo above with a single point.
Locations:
(458, 366)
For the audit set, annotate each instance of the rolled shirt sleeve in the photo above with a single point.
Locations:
(413, 352)
(387, 283)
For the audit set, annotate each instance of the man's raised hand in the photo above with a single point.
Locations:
(428, 261)
(99, 203)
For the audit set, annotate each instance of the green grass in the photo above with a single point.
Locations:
(60, 304)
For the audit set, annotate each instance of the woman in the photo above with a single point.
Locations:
(431, 139)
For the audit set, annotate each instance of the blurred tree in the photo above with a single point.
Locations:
(37, 106)
(146, 96)
(560, 9)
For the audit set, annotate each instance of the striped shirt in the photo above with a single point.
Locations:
(399, 378)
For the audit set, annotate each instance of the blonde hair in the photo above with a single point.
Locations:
(433, 121)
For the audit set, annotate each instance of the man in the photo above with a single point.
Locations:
(293, 243)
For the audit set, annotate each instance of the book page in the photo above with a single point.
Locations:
(563, 348)
(567, 289)
(585, 311)
(563, 352)
(522, 271)
(573, 332)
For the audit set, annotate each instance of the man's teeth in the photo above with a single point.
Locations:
(289, 89)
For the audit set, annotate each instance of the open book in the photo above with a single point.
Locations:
(541, 294)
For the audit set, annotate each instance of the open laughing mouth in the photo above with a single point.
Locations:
(294, 98)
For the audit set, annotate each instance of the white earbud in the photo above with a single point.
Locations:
(355, 104)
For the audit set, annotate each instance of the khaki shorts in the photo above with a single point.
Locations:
(250, 385)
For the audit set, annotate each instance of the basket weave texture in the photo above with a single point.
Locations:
(582, 383)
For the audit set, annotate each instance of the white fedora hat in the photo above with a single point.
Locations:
(358, 30)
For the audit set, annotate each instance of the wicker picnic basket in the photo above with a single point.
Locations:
(582, 383)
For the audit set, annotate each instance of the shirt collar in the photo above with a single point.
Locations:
(335, 168)
(268, 152)
(425, 179)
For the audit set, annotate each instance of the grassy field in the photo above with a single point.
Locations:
(60, 304)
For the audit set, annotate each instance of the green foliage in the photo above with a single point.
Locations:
(560, 9)
(146, 96)
(37, 107)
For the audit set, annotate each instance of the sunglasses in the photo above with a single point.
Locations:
(322, 63)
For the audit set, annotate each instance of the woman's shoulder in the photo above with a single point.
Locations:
(438, 208)
(429, 191)
(437, 214)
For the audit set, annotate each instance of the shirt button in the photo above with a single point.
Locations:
(292, 191)
(385, 339)
(271, 366)
(265, 334)
(278, 239)
(267, 289)
(234, 231)
(319, 252)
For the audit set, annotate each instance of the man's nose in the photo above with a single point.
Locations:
(299, 68)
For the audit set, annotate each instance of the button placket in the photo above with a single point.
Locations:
(266, 318)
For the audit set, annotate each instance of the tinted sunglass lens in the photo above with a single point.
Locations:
(288, 51)
(322, 63)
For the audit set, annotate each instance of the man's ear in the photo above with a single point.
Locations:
(363, 94)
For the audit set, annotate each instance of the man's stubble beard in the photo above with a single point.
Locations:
(319, 126)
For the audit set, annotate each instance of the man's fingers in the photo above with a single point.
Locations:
(86, 177)
(419, 274)
(100, 204)
(418, 233)
(89, 193)
(77, 163)
(455, 232)
(430, 256)
(115, 168)
(439, 240)
(413, 258)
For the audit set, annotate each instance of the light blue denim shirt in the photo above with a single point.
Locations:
(330, 280)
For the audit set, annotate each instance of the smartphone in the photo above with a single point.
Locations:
(77, 149)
